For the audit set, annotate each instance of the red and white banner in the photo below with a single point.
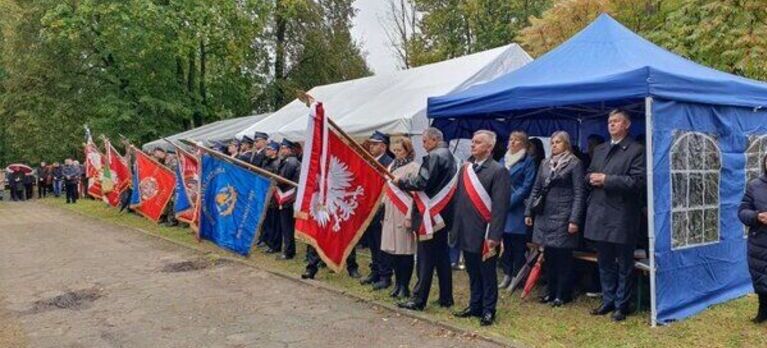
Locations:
(116, 175)
(155, 185)
(338, 193)
(94, 161)
(482, 202)
(431, 208)
(399, 198)
(189, 168)
(284, 197)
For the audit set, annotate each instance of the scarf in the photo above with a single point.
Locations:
(400, 162)
(510, 159)
(557, 162)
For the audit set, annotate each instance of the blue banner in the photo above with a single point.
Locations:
(182, 201)
(234, 202)
(135, 197)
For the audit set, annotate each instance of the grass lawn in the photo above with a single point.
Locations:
(522, 321)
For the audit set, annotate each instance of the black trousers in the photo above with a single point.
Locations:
(559, 270)
(271, 234)
(403, 269)
(483, 282)
(313, 260)
(17, 194)
(287, 230)
(71, 189)
(42, 189)
(434, 255)
(616, 267)
(30, 190)
(513, 257)
(380, 262)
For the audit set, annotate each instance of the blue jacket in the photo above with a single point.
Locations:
(522, 178)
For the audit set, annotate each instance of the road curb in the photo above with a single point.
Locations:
(313, 283)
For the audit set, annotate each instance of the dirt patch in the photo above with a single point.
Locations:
(72, 300)
(192, 265)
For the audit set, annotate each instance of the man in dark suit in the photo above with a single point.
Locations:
(290, 168)
(474, 230)
(381, 268)
(436, 172)
(616, 177)
(258, 156)
(246, 149)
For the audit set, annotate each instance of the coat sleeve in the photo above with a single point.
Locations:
(420, 180)
(499, 191)
(631, 182)
(747, 211)
(537, 187)
(579, 194)
(519, 194)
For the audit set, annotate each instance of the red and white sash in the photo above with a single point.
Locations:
(430, 208)
(482, 202)
(399, 198)
(284, 197)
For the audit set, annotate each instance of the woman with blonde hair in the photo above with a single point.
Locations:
(555, 210)
(397, 239)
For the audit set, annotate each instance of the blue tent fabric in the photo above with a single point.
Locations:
(233, 204)
(574, 86)
(691, 279)
(604, 62)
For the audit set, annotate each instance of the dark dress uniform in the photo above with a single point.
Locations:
(471, 228)
(437, 169)
(613, 217)
(16, 183)
(381, 268)
(290, 168)
(270, 232)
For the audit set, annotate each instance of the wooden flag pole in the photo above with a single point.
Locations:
(241, 163)
(365, 154)
(179, 148)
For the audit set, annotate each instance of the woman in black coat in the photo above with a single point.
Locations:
(753, 213)
(556, 224)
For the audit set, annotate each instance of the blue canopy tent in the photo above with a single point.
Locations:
(705, 131)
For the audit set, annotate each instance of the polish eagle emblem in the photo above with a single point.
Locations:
(340, 201)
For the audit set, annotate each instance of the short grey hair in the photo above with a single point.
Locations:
(433, 133)
(490, 134)
(620, 112)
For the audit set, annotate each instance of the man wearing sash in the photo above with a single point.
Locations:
(482, 198)
(290, 168)
(434, 183)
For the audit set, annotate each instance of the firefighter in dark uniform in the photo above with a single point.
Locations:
(246, 149)
(270, 237)
(258, 156)
(290, 168)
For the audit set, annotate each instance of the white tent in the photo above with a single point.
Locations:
(394, 103)
(216, 131)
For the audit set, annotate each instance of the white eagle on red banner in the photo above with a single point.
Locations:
(339, 201)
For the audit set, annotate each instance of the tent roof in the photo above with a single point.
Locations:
(394, 102)
(604, 62)
(219, 130)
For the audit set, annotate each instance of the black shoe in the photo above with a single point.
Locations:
(284, 257)
(759, 318)
(269, 251)
(446, 304)
(487, 319)
(308, 274)
(468, 312)
(603, 309)
(372, 278)
(355, 274)
(261, 244)
(545, 299)
(381, 284)
(619, 315)
(557, 303)
(411, 305)
(395, 291)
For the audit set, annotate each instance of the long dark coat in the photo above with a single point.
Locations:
(614, 211)
(470, 227)
(755, 202)
(564, 204)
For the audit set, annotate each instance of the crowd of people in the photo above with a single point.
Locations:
(49, 179)
(525, 202)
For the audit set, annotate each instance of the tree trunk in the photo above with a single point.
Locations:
(203, 92)
(279, 56)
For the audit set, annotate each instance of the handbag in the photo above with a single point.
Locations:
(540, 199)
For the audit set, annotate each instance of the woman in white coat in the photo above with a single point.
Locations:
(397, 239)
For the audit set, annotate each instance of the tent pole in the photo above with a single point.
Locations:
(650, 206)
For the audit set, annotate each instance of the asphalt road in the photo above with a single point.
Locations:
(72, 281)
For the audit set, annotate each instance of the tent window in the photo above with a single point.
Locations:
(757, 149)
(695, 172)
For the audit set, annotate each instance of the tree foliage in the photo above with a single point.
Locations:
(149, 68)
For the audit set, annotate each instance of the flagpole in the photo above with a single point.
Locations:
(179, 148)
(241, 163)
(365, 154)
(133, 148)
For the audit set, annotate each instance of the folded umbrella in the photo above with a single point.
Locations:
(535, 273)
(532, 256)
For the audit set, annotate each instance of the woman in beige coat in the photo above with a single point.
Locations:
(396, 239)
